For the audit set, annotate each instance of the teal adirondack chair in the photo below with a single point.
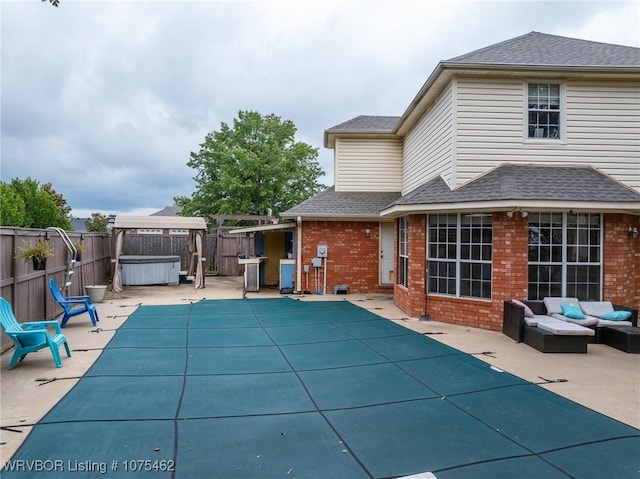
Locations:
(31, 337)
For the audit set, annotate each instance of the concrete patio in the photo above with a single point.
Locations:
(605, 379)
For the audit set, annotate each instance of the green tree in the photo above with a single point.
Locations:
(41, 206)
(251, 168)
(64, 208)
(97, 223)
(12, 209)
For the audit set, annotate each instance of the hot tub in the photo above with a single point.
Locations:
(145, 270)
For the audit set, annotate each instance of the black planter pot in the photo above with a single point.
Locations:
(39, 264)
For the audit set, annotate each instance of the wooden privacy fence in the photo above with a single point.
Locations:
(221, 249)
(28, 290)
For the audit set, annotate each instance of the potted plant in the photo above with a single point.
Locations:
(95, 292)
(77, 244)
(37, 253)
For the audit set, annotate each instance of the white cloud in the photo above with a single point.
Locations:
(107, 99)
(618, 24)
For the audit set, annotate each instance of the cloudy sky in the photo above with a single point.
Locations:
(106, 99)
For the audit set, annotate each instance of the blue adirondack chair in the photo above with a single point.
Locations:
(73, 305)
(31, 337)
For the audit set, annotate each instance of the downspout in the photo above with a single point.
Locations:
(299, 257)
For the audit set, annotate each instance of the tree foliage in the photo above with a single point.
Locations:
(12, 209)
(64, 208)
(97, 223)
(27, 204)
(253, 167)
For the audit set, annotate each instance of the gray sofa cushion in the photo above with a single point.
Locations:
(563, 328)
(554, 304)
(587, 321)
(537, 319)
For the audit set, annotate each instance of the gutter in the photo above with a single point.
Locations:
(299, 256)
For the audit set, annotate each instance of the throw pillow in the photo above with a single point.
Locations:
(572, 311)
(617, 315)
(527, 310)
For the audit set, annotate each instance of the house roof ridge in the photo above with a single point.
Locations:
(485, 48)
(545, 49)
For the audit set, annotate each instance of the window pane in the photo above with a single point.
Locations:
(544, 108)
(465, 288)
(572, 265)
(545, 254)
(462, 243)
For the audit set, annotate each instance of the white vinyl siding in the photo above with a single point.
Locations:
(602, 128)
(428, 147)
(368, 164)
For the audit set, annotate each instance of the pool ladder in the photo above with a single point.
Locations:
(71, 258)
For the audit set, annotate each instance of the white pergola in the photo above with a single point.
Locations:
(197, 231)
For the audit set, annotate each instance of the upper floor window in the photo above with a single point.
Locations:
(544, 110)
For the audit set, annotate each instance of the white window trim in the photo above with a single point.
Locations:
(564, 264)
(458, 262)
(563, 114)
(400, 255)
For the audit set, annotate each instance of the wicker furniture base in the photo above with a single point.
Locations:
(624, 338)
(512, 322)
(547, 342)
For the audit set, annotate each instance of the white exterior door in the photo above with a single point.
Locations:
(386, 253)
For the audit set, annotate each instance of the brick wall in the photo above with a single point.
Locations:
(509, 279)
(621, 270)
(411, 299)
(353, 259)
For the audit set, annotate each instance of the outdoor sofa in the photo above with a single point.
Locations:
(543, 326)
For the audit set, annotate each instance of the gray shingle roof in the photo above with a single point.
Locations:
(526, 182)
(367, 123)
(345, 204)
(168, 211)
(505, 182)
(551, 50)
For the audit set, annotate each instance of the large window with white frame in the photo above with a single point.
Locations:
(544, 111)
(403, 251)
(565, 255)
(459, 254)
